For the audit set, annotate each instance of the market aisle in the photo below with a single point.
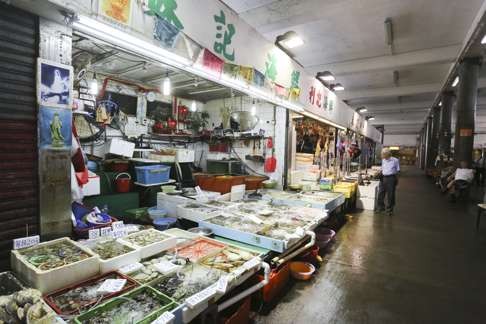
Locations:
(425, 264)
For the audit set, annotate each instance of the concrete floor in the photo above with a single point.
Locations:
(424, 264)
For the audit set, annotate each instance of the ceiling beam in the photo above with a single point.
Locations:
(390, 92)
(397, 91)
(438, 55)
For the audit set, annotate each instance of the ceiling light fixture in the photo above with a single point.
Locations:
(440, 103)
(362, 109)
(337, 87)
(193, 106)
(483, 40)
(325, 76)
(93, 86)
(455, 82)
(370, 118)
(166, 86)
(289, 40)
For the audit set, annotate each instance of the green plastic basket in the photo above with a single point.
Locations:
(169, 304)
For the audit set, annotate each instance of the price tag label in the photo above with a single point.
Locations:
(106, 232)
(119, 233)
(94, 233)
(201, 296)
(165, 318)
(252, 263)
(131, 228)
(165, 267)
(222, 284)
(117, 225)
(132, 267)
(25, 242)
(112, 286)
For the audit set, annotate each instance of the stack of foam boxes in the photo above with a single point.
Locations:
(367, 196)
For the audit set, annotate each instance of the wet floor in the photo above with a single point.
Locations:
(424, 264)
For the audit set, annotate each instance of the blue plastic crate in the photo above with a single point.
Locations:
(153, 174)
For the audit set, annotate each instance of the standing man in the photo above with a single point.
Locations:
(390, 167)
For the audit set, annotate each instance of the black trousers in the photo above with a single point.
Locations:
(386, 191)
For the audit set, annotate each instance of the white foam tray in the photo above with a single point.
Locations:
(151, 249)
(50, 280)
(116, 262)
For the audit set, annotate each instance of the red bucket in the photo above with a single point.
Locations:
(123, 184)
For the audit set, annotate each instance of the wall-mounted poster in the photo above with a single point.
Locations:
(55, 128)
(54, 84)
(118, 10)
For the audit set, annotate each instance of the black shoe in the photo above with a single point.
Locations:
(389, 212)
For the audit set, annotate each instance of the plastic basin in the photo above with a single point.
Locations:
(156, 213)
(164, 223)
(324, 234)
(301, 270)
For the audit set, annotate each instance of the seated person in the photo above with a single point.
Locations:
(444, 176)
(461, 178)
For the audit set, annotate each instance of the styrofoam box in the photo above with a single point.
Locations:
(365, 203)
(196, 214)
(162, 158)
(92, 188)
(50, 280)
(170, 203)
(120, 147)
(116, 262)
(370, 191)
(311, 176)
(154, 248)
(185, 155)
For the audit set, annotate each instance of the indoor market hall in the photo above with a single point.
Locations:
(242, 161)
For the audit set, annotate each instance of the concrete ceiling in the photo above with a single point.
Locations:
(347, 37)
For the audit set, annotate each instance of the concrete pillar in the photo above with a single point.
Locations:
(429, 160)
(466, 110)
(434, 138)
(423, 140)
(445, 131)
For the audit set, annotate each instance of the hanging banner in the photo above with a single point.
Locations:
(212, 62)
(117, 10)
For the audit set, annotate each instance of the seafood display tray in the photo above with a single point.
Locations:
(168, 305)
(117, 262)
(195, 214)
(50, 299)
(153, 248)
(53, 279)
(245, 237)
(199, 248)
(334, 200)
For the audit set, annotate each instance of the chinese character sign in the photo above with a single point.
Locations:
(165, 9)
(224, 36)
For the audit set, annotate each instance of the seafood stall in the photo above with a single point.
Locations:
(108, 280)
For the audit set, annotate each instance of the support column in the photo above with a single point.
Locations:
(429, 160)
(423, 141)
(434, 139)
(445, 132)
(466, 110)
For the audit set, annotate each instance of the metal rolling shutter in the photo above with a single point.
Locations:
(18, 127)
